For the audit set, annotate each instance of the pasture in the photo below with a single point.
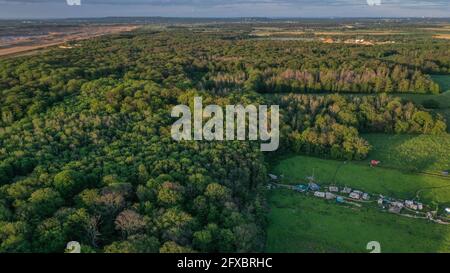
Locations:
(443, 81)
(298, 223)
(411, 153)
(379, 180)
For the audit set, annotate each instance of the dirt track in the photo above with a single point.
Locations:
(53, 39)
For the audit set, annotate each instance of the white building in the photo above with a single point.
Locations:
(333, 189)
(355, 195)
(273, 177)
(413, 205)
(329, 196)
(419, 206)
(397, 204)
(319, 194)
(346, 190)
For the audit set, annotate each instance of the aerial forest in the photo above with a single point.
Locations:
(85, 147)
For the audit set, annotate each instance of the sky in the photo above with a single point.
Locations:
(22, 9)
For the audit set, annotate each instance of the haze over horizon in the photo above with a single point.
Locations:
(40, 9)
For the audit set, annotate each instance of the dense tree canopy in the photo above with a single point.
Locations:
(86, 152)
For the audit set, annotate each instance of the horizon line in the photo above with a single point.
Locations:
(229, 17)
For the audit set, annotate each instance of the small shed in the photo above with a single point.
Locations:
(355, 195)
(329, 196)
(419, 206)
(313, 186)
(447, 210)
(374, 163)
(301, 188)
(397, 204)
(273, 177)
(346, 190)
(319, 194)
(340, 199)
(366, 196)
(395, 209)
(445, 173)
(333, 189)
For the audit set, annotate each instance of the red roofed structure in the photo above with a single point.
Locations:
(374, 163)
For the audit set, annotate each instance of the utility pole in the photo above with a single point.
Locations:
(337, 169)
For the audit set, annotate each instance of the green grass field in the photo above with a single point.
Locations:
(442, 99)
(299, 223)
(420, 153)
(305, 224)
(391, 182)
(443, 81)
(411, 166)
